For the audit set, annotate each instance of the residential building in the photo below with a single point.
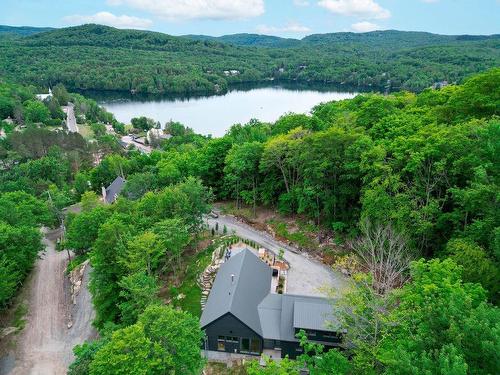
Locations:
(110, 194)
(155, 134)
(242, 314)
(42, 97)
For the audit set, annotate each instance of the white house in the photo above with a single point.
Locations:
(157, 134)
(42, 97)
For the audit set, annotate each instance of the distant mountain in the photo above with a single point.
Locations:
(254, 40)
(23, 30)
(374, 39)
(391, 38)
(100, 57)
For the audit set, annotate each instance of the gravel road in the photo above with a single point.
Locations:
(306, 275)
(45, 345)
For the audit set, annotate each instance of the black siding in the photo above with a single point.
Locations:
(229, 326)
(323, 336)
(290, 349)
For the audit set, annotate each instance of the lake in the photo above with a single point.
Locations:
(215, 114)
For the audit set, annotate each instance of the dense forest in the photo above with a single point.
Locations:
(103, 58)
(417, 169)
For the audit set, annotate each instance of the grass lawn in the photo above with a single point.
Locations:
(300, 236)
(85, 131)
(195, 265)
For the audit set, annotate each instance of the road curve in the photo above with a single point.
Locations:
(45, 345)
(306, 275)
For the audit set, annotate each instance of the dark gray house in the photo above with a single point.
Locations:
(110, 194)
(243, 316)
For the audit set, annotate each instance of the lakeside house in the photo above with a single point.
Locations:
(156, 134)
(242, 314)
(111, 193)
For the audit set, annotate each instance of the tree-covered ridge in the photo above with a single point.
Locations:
(22, 30)
(104, 58)
(245, 39)
(387, 39)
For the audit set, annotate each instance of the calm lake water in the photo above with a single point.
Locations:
(215, 114)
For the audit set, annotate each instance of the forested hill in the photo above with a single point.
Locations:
(22, 30)
(392, 39)
(104, 36)
(104, 58)
(244, 39)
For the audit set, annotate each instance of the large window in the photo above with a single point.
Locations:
(255, 346)
(245, 345)
(250, 345)
(221, 343)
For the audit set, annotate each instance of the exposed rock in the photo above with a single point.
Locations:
(7, 331)
(75, 278)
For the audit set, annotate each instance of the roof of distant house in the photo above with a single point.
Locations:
(242, 288)
(113, 190)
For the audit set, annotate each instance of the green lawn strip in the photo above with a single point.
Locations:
(189, 288)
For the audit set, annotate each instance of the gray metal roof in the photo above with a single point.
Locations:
(270, 316)
(240, 285)
(113, 190)
(315, 315)
(312, 313)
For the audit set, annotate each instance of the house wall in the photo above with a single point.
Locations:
(290, 349)
(229, 326)
(293, 349)
(323, 336)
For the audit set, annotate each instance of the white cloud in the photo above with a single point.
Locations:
(197, 9)
(106, 18)
(364, 27)
(291, 27)
(301, 3)
(359, 8)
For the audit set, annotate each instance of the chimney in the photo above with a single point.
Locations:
(103, 189)
(232, 278)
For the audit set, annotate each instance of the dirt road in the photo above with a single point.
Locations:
(45, 345)
(306, 275)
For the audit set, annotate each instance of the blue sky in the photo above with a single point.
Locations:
(290, 18)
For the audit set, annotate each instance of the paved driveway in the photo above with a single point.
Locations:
(70, 118)
(306, 275)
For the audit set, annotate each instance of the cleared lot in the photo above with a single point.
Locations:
(306, 276)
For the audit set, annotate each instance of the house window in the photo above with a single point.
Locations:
(245, 345)
(311, 334)
(232, 339)
(255, 346)
(330, 335)
(221, 344)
